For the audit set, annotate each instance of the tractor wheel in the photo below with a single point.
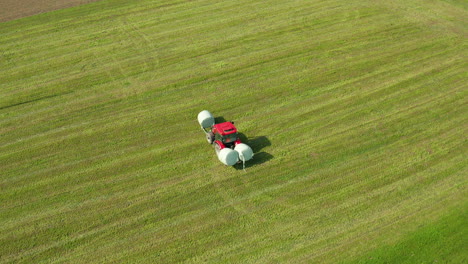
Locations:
(210, 137)
(217, 148)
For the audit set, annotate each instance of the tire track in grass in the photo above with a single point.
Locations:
(391, 118)
(454, 122)
(358, 80)
(397, 114)
(38, 249)
(425, 203)
(135, 33)
(455, 126)
(231, 199)
(335, 231)
(284, 230)
(200, 209)
(91, 204)
(385, 88)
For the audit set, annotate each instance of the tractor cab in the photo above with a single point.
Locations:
(225, 135)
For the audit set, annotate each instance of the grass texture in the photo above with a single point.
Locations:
(356, 111)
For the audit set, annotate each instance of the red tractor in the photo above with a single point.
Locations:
(223, 136)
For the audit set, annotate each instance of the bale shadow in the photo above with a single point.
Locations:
(219, 119)
(257, 144)
(257, 159)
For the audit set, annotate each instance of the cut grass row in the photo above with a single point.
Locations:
(356, 112)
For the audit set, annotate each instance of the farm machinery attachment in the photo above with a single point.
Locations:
(223, 136)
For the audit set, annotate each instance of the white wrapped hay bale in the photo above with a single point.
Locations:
(205, 119)
(228, 156)
(245, 152)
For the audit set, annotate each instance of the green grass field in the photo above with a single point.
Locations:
(357, 112)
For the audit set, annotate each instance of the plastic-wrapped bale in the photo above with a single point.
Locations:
(205, 119)
(228, 156)
(245, 152)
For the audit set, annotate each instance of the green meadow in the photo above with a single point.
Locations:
(356, 112)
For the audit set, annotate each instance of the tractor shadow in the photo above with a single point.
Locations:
(219, 119)
(257, 144)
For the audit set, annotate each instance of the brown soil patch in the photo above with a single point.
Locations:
(14, 9)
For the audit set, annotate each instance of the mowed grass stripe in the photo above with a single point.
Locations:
(100, 59)
(432, 235)
(127, 157)
(101, 146)
(289, 206)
